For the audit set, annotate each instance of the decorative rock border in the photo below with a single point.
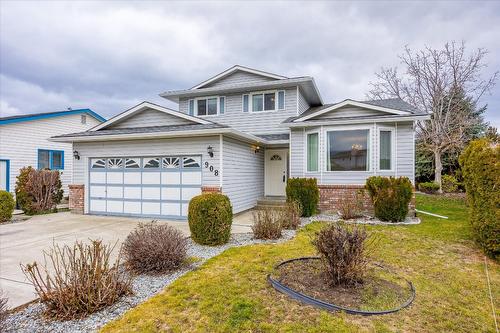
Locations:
(328, 306)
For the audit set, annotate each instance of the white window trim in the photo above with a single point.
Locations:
(250, 100)
(393, 150)
(348, 128)
(218, 105)
(207, 98)
(306, 136)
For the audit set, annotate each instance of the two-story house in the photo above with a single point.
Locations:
(242, 132)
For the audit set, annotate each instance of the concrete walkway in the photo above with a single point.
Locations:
(24, 242)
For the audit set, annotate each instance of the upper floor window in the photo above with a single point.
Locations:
(208, 106)
(348, 150)
(50, 159)
(264, 101)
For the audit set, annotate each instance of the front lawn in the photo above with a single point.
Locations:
(230, 293)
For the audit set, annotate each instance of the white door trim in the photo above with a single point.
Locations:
(269, 189)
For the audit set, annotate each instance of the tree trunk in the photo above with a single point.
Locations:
(438, 169)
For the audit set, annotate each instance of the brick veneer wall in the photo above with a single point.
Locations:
(330, 198)
(76, 198)
(211, 189)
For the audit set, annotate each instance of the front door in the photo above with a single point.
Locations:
(275, 171)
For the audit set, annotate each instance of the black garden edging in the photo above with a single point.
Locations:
(328, 306)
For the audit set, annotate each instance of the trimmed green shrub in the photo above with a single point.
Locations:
(449, 184)
(481, 172)
(38, 191)
(210, 217)
(428, 187)
(390, 197)
(7, 205)
(305, 191)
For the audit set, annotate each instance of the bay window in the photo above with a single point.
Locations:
(385, 150)
(312, 152)
(348, 150)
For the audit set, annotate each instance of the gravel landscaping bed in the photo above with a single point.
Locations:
(363, 220)
(30, 319)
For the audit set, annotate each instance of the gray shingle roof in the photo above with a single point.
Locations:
(274, 137)
(151, 129)
(391, 103)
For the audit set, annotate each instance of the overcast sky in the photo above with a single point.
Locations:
(111, 56)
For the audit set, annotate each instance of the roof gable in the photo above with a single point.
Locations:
(336, 110)
(146, 113)
(238, 74)
(45, 115)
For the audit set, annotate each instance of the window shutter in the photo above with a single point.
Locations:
(281, 100)
(222, 105)
(245, 103)
(191, 107)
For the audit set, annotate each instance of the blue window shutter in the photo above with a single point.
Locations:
(222, 104)
(245, 103)
(281, 100)
(191, 107)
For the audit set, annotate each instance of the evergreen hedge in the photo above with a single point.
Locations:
(7, 205)
(480, 163)
(210, 217)
(304, 191)
(390, 197)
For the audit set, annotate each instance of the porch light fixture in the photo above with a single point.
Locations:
(76, 155)
(210, 151)
(255, 149)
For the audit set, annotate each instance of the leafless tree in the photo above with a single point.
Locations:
(444, 83)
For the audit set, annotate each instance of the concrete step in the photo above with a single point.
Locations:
(271, 202)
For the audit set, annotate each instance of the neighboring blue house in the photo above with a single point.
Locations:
(242, 132)
(24, 142)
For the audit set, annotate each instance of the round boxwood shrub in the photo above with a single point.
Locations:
(390, 197)
(428, 187)
(210, 217)
(449, 184)
(7, 205)
(304, 191)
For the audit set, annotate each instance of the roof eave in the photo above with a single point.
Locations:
(340, 121)
(160, 135)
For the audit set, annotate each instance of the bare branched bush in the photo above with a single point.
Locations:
(77, 280)
(154, 248)
(267, 223)
(344, 252)
(351, 205)
(290, 218)
(3, 309)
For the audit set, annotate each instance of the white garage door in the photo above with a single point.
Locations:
(144, 186)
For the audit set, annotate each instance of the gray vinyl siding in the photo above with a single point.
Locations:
(150, 118)
(156, 147)
(252, 122)
(404, 155)
(349, 111)
(243, 174)
(303, 105)
(238, 78)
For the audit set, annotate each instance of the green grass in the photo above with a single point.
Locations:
(229, 293)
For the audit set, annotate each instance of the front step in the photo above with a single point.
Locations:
(271, 202)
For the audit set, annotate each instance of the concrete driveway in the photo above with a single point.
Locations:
(24, 242)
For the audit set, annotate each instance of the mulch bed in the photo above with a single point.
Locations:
(376, 293)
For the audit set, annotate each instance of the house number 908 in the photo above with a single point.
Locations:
(211, 168)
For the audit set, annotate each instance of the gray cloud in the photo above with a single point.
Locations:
(109, 56)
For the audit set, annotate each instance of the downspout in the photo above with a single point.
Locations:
(396, 150)
(221, 163)
(320, 152)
